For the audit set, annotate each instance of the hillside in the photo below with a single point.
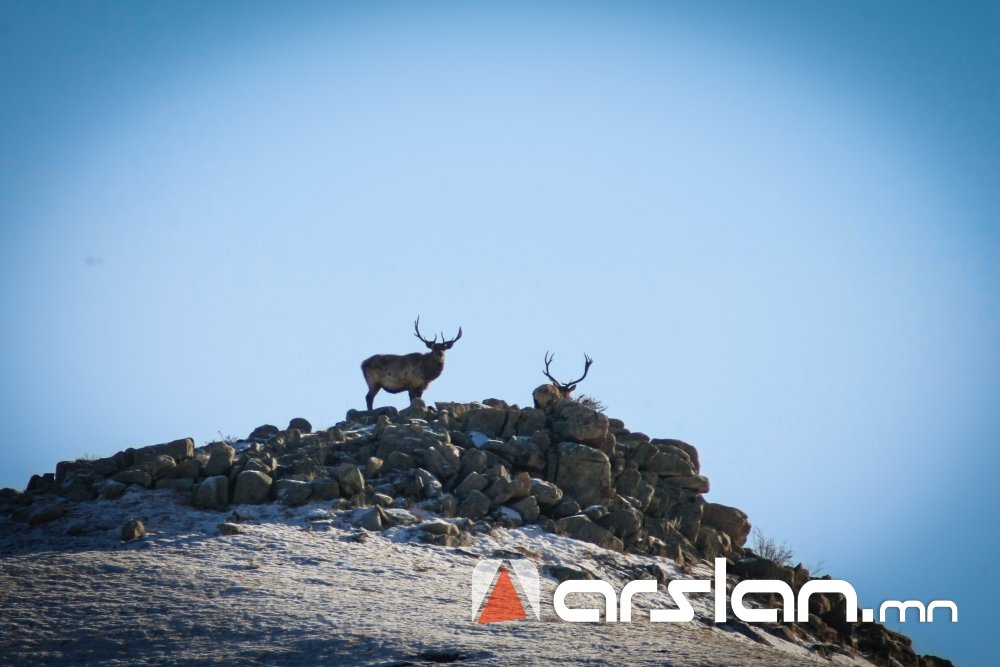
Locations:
(355, 545)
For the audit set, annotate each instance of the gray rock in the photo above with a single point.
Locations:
(301, 424)
(623, 523)
(577, 423)
(474, 506)
(190, 469)
(220, 460)
(257, 465)
(473, 460)
(565, 507)
(373, 466)
(439, 527)
(252, 486)
(486, 420)
(161, 466)
(134, 476)
(324, 488)
(520, 486)
(212, 494)
(350, 479)
(182, 485)
(112, 490)
(546, 493)
(398, 516)
(369, 518)
(674, 464)
(472, 482)
(228, 528)
(729, 520)
(631, 483)
(531, 420)
(399, 461)
(508, 517)
(527, 508)
(691, 452)
(584, 473)
(133, 530)
(178, 450)
(580, 527)
(292, 492)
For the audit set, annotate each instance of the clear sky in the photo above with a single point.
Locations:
(773, 226)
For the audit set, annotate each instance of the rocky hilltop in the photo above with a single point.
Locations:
(451, 472)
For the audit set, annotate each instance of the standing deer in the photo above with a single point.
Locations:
(548, 394)
(406, 372)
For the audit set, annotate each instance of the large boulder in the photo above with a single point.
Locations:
(178, 450)
(292, 491)
(474, 506)
(252, 486)
(578, 423)
(584, 473)
(220, 460)
(580, 527)
(212, 494)
(729, 520)
(350, 479)
(486, 420)
(546, 493)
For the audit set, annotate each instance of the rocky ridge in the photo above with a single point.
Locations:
(570, 469)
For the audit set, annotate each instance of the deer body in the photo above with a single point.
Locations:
(548, 395)
(406, 372)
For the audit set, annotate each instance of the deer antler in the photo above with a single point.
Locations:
(548, 360)
(586, 368)
(416, 329)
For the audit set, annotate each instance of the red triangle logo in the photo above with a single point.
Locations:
(503, 603)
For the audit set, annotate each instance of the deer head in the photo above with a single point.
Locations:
(432, 345)
(548, 394)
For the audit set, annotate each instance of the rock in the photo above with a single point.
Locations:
(729, 520)
(228, 528)
(212, 493)
(190, 469)
(350, 479)
(112, 490)
(562, 572)
(439, 527)
(373, 466)
(252, 486)
(577, 423)
(668, 463)
(397, 516)
(530, 420)
(161, 466)
(134, 476)
(258, 465)
(474, 506)
(623, 523)
(691, 452)
(527, 508)
(595, 512)
(264, 433)
(566, 507)
(472, 482)
(508, 517)
(301, 424)
(546, 493)
(382, 500)
(108, 466)
(324, 488)
(369, 518)
(35, 515)
(133, 530)
(520, 486)
(416, 410)
(584, 473)
(473, 460)
(292, 492)
(65, 468)
(631, 483)
(696, 483)
(220, 460)
(41, 483)
(399, 461)
(580, 527)
(178, 450)
(486, 420)
(180, 485)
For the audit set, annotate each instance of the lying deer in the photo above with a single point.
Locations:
(406, 372)
(549, 394)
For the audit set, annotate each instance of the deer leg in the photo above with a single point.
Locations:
(415, 393)
(370, 396)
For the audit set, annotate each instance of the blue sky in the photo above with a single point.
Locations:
(774, 228)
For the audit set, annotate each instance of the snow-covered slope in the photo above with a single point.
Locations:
(303, 586)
